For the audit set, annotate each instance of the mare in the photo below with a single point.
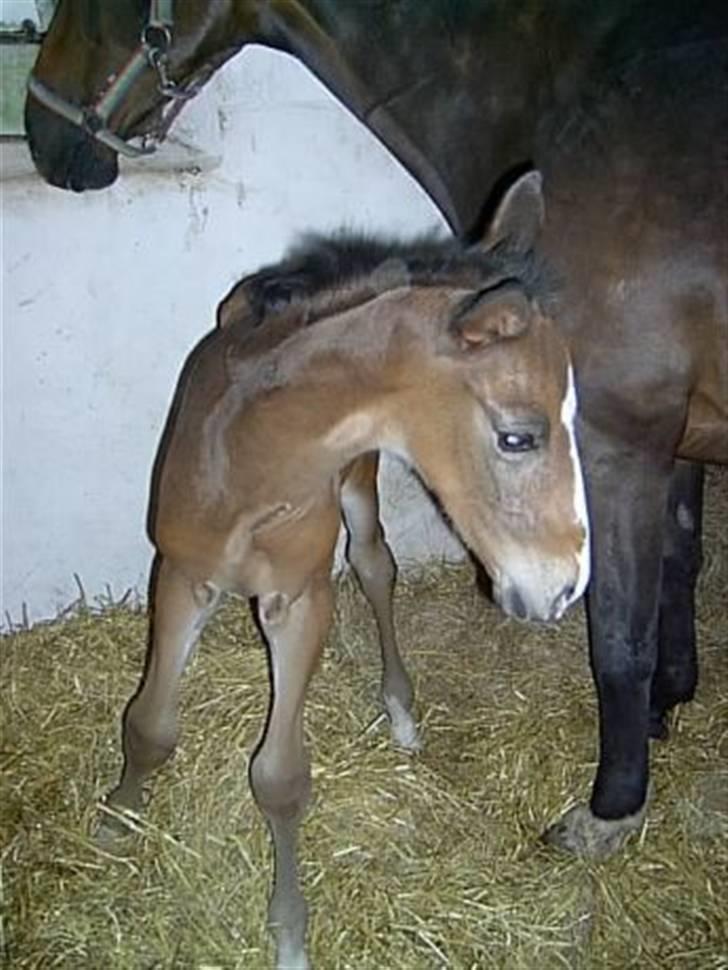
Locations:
(623, 106)
(445, 356)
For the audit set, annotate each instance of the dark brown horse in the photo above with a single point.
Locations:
(623, 106)
(446, 357)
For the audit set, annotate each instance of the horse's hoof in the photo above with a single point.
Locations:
(403, 726)
(583, 833)
(293, 961)
(114, 828)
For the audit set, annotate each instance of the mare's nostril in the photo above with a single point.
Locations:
(567, 594)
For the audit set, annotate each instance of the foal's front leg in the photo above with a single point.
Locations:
(280, 772)
(375, 569)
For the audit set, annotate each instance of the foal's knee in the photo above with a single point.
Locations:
(372, 561)
(281, 792)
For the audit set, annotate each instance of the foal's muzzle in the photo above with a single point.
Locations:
(544, 607)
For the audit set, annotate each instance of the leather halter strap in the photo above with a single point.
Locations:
(151, 53)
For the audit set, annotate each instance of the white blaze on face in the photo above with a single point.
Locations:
(568, 418)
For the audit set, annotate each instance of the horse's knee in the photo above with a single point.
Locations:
(630, 667)
(677, 681)
(281, 791)
(372, 561)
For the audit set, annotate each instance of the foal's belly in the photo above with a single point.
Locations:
(706, 430)
(705, 437)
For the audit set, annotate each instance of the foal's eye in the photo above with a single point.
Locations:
(513, 441)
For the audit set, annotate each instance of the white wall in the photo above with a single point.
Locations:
(105, 293)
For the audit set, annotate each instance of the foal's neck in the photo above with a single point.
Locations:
(348, 370)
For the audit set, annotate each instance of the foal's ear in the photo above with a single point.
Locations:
(482, 319)
(519, 216)
(258, 294)
(237, 305)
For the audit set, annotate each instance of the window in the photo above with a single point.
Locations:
(22, 23)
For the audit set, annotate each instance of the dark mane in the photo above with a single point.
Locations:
(330, 272)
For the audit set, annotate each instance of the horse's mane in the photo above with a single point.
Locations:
(328, 273)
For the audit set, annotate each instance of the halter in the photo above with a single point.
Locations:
(152, 52)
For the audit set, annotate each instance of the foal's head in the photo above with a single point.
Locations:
(490, 426)
(456, 365)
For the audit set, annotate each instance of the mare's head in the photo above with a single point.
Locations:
(114, 71)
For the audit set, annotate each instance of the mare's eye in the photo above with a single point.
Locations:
(513, 441)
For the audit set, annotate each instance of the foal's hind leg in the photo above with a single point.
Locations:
(179, 612)
(375, 569)
(280, 772)
(677, 663)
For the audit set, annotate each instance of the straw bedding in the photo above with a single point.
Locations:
(408, 862)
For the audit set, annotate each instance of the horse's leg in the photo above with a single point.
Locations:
(180, 610)
(628, 498)
(280, 773)
(375, 569)
(677, 662)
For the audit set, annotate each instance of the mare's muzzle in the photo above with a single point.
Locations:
(66, 155)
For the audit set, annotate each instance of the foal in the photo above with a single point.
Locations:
(443, 356)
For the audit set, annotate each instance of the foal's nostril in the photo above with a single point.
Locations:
(562, 601)
(515, 605)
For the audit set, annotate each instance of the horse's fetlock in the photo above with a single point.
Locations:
(148, 747)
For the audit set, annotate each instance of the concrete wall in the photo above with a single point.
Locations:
(105, 293)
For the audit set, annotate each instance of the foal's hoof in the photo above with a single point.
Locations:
(583, 833)
(292, 961)
(114, 828)
(403, 726)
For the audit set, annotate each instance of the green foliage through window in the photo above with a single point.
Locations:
(20, 24)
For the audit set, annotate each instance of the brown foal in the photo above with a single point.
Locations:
(446, 357)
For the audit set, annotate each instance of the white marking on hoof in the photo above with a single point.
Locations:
(585, 834)
(402, 725)
(292, 959)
